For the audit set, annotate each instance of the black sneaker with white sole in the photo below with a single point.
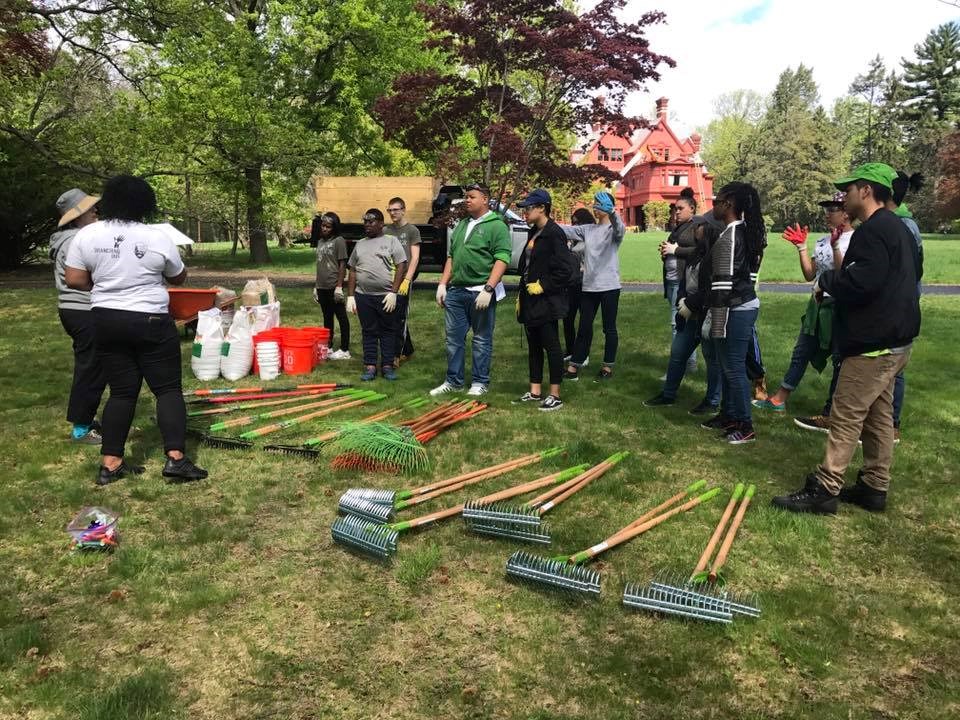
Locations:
(718, 422)
(571, 375)
(526, 398)
(551, 403)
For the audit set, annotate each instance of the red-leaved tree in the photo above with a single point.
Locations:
(948, 183)
(522, 79)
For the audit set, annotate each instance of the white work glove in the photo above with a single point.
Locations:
(316, 295)
(352, 305)
(441, 294)
(684, 311)
(390, 301)
(338, 295)
(483, 300)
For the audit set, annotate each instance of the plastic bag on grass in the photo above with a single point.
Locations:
(236, 355)
(207, 345)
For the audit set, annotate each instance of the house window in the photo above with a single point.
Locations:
(616, 154)
(666, 153)
(602, 153)
(679, 180)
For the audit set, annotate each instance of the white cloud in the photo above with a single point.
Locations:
(715, 54)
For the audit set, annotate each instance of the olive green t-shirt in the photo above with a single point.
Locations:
(408, 235)
(329, 254)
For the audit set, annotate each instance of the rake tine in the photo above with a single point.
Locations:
(298, 450)
(373, 495)
(480, 513)
(369, 511)
(553, 574)
(670, 601)
(377, 540)
(225, 443)
(539, 534)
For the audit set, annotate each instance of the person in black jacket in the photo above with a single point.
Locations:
(877, 316)
(547, 267)
(676, 252)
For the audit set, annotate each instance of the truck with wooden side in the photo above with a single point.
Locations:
(429, 205)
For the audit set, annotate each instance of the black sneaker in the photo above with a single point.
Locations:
(740, 434)
(604, 375)
(864, 496)
(551, 403)
(527, 397)
(811, 498)
(718, 422)
(105, 476)
(571, 375)
(658, 400)
(182, 470)
(704, 408)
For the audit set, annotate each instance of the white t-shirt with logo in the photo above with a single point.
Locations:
(127, 262)
(823, 253)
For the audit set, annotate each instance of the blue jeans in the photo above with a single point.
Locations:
(684, 345)
(673, 289)
(732, 352)
(461, 316)
(804, 350)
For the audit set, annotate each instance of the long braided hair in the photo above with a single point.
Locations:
(746, 206)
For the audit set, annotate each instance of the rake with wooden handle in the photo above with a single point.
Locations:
(380, 505)
(226, 399)
(221, 409)
(700, 596)
(524, 522)
(206, 392)
(341, 397)
(292, 422)
(566, 573)
(380, 540)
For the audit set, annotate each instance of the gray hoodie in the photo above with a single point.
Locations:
(67, 299)
(598, 245)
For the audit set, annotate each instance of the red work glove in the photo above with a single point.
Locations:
(796, 235)
(835, 236)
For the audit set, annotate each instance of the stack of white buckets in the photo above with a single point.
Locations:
(268, 359)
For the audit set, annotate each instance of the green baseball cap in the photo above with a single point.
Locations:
(880, 173)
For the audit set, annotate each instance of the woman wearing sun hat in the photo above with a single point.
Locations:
(814, 342)
(77, 209)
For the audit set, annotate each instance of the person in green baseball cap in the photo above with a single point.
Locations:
(877, 316)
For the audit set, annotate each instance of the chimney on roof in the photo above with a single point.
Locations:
(662, 108)
(695, 141)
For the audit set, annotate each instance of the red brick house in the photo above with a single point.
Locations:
(654, 164)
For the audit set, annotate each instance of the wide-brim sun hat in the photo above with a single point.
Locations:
(74, 203)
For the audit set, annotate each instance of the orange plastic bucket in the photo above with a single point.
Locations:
(321, 338)
(298, 353)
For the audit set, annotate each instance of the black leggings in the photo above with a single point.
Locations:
(540, 339)
(331, 308)
(88, 380)
(133, 347)
(570, 321)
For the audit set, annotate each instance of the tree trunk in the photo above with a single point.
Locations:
(253, 185)
(236, 223)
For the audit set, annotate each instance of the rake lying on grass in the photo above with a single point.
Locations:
(223, 409)
(379, 447)
(379, 505)
(220, 400)
(311, 447)
(206, 392)
(244, 439)
(380, 540)
(524, 522)
(567, 574)
(341, 396)
(700, 596)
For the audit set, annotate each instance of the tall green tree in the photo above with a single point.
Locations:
(869, 86)
(933, 78)
(729, 139)
(797, 154)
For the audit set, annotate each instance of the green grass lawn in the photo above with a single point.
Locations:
(227, 597)
(639, 259)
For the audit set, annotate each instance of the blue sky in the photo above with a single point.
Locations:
(723, 46)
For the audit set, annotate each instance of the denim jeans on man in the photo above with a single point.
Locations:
(732, 352)
(684, 344)
(462, 316)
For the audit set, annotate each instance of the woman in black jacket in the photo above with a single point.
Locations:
(677, 251)
(546, 267)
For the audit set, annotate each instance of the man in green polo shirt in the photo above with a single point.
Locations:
(477, 256)
(877, 316)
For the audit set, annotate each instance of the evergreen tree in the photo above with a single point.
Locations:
(933, 79)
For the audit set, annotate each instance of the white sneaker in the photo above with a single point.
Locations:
(585, 362)
(477, 389)
(339, 355)
(445, 389)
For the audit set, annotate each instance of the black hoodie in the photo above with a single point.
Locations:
(875, 289)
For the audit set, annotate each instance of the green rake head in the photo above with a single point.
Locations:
(553, 574)
(377, 446)
(379, 541)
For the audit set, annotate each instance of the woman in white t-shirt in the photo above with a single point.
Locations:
(125, 264)
(814, 343)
